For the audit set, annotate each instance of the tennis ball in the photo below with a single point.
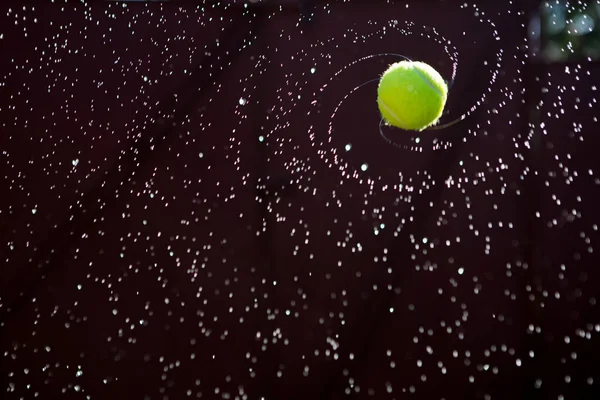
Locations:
(411, 95)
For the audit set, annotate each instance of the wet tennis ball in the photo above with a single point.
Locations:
(411, 95)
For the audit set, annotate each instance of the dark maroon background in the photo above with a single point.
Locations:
(84, 279)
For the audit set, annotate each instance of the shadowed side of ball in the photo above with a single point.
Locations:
(411, 95)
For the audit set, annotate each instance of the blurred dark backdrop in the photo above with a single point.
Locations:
(181, 216)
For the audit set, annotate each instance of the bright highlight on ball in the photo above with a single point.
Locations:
(411, 95)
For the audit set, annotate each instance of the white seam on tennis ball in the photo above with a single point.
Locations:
(393, 113)
(427, 81)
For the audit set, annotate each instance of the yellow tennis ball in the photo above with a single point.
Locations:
(411, 95)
